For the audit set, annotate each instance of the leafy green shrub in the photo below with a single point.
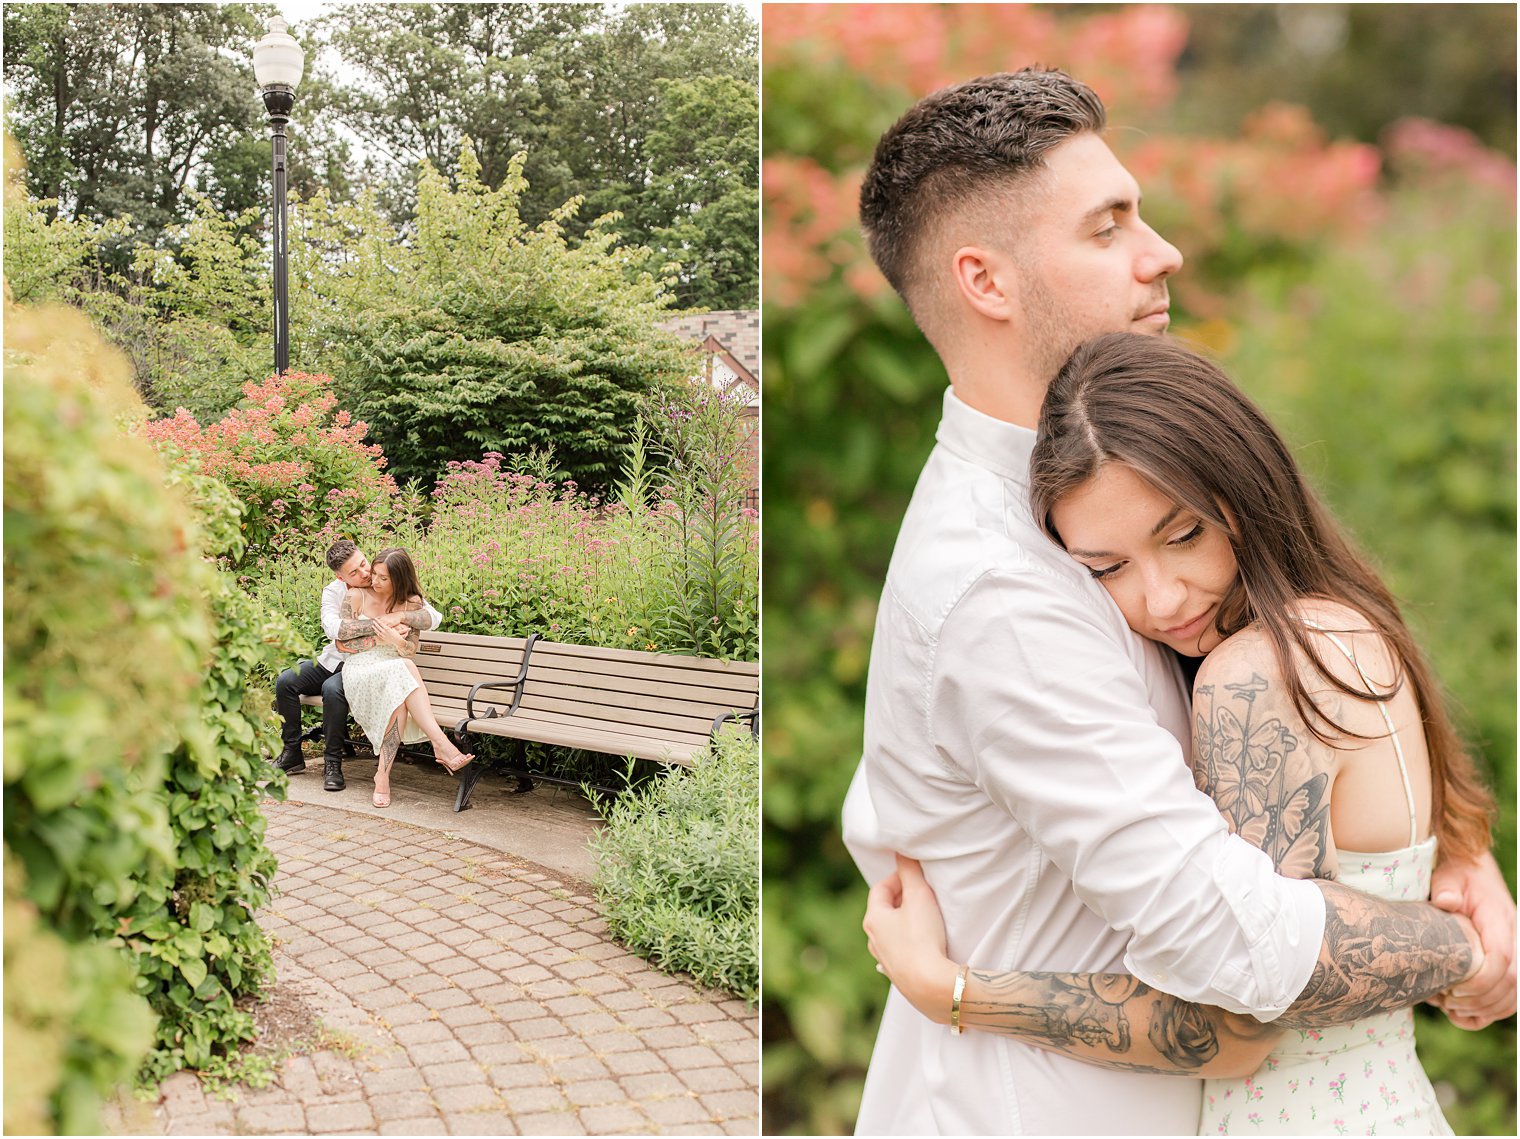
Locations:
(476, 333)
(198, 948)
(707, 543)
(106, 628)
(192, 931)
(678, 868)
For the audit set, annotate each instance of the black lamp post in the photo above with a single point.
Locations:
(277, 64)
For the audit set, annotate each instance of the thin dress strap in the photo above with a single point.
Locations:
(1398, 748)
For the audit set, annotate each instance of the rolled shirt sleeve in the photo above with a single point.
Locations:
(332, 607)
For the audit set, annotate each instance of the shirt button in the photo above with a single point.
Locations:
(1163, 976)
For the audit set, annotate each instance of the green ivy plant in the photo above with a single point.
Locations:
(106, 631)
(192, 931)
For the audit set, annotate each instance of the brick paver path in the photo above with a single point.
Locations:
(471, 994)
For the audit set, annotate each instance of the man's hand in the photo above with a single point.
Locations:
(393, 621)
(1478, 891)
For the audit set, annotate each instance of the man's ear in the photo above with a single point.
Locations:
(987, 281)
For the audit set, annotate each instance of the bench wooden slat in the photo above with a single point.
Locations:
(595, 652)
(565, 735)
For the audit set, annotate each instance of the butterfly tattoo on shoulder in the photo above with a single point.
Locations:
(1270, 787)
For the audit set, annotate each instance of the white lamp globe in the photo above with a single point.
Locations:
(277, 59)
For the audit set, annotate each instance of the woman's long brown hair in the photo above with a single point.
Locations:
(404, 584)
(1177, 421)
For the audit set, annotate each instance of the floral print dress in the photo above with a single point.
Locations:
(1361, 1078)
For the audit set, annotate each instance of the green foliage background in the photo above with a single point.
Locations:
(1385, 352)
(135, 734)
(648, 111)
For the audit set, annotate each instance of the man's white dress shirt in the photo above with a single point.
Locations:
(332, 607)
(1030, 749)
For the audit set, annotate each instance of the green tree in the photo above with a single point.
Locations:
(581, 89)
(478, 333)
(1357, 67)
(705, 151)
(432, 75)
(122, 109)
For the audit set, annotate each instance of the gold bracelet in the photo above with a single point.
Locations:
(955, 1001)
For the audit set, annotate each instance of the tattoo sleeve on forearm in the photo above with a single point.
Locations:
(354, 633)
(1271, 779)
(1378, 956)
(1110, 1019)
(417, 619)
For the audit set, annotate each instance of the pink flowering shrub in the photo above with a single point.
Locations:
(1447, 158)
(1278, 191)
(299, 465)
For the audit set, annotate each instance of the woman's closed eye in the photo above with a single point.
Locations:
(1189, 536)
(1100, 572)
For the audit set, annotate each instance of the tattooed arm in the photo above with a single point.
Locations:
(1112, 1020)
(355, 633)
(389, 629)
(1272, 780)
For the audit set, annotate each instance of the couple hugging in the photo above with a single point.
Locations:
(1136, 889)
(373, 615)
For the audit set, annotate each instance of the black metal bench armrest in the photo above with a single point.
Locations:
(752, 716)
(516, 683)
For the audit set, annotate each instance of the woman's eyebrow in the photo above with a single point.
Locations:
(1156, 529)
(1165, 522)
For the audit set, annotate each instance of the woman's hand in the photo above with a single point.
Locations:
(387, 634)
(906, 934)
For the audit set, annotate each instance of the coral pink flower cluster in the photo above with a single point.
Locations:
(299, 464)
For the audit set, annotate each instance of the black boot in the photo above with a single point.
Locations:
(332, 774)
(291, 761)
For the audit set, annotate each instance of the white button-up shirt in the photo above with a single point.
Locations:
(332, 608)
(1030, 749)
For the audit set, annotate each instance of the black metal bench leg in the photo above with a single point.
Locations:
(520, 759)
(468, 776)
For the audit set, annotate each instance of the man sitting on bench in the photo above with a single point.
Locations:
(325, 674)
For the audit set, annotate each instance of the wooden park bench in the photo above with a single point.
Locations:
(659, 706)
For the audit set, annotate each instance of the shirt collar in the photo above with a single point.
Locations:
(1000, 447)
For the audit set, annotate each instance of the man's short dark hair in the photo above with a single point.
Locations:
(339, 552)
(957, 145)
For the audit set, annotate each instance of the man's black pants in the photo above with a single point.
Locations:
(310, 679)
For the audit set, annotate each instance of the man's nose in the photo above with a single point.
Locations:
(1159, 260)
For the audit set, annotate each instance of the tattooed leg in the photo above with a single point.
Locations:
(443, 748)
(390, 744)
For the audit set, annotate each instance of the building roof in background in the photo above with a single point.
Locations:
(733, 333)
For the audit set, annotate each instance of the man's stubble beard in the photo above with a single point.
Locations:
(1051, 338)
